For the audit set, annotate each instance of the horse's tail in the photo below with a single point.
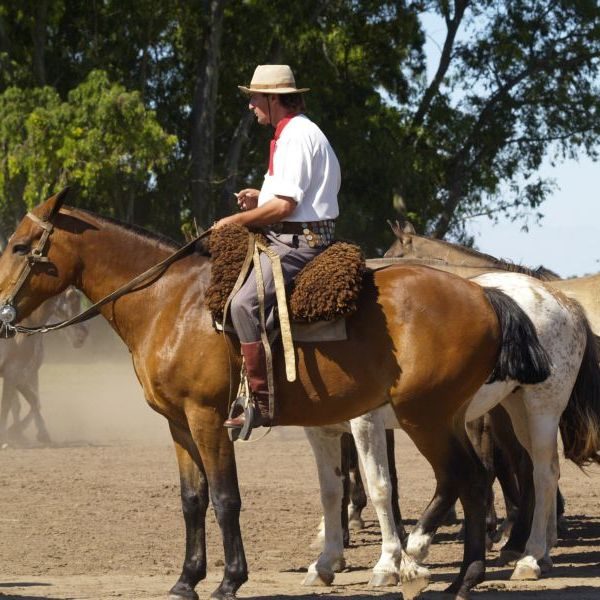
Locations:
(580, 421)
(522, 357)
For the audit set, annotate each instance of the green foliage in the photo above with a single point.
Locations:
(517, 84)
(102, 140)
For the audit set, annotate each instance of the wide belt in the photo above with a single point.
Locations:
(316, 233)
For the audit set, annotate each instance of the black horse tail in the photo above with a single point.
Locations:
(580, 421)
(522, 357)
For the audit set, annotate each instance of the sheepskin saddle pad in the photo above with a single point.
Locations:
(326, 289)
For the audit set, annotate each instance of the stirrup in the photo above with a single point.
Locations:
(247, 406)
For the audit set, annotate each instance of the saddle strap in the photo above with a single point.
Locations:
(284, 319)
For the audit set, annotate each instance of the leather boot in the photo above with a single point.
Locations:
(256, 371)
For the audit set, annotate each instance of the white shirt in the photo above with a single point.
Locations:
(306, 169)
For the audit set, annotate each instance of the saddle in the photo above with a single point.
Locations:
(324, 292)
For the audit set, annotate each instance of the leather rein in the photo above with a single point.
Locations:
(36, 255)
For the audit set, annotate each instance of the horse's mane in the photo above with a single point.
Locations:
(540, 272)
(145, 233)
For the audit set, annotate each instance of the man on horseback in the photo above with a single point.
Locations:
(296, 208)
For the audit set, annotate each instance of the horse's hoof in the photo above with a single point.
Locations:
(414, 578)
(219, 595)
(508, 557)
(339, 565)
(545, 564)
(412, 588)
(527, 569)
(356, 524)
(182, 591)
(384, 579)
(316, 579)
(188, 595)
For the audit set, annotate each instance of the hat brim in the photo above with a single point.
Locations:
(288, 90)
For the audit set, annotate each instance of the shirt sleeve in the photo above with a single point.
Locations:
(292, 165)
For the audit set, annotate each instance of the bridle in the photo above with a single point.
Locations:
(8, 313)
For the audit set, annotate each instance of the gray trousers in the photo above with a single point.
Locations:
(294, 253)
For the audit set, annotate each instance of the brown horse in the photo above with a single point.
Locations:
(509, 458)
(422, 339)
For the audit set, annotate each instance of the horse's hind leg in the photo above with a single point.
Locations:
(356, 490)
(507, 458)
(389, 440)
(459, 472)
(326, 447)
(371, 440)
(30, 392)
(537, 432)
(194, 502)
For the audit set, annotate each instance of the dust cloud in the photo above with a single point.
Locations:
(91, 395)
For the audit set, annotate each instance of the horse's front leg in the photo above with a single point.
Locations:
(10, 400)
(194, 502)
(326, 447)
(218, 458)
(371, 441)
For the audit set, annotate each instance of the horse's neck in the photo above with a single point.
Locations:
(111, 257)
(451, 254)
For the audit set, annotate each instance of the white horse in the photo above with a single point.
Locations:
(21, 358)
(535, 411)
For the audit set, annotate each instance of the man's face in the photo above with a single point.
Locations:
(259, 104)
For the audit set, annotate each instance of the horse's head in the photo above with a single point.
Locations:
(403, 246)
(35, 265)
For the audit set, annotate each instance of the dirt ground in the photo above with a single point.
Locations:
(97, 514)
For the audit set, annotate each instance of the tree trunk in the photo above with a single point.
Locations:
(232, 161)
(203, 118)
(38, 35)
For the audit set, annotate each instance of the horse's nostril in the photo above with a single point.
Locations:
(8, 313)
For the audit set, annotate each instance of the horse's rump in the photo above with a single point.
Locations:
(327, 288)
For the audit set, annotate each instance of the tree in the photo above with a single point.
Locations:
(516, 83)
(102, 139)
(519, 84)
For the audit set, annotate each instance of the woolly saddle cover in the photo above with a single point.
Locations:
(327, 288)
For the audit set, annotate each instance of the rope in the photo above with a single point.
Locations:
(144, 278)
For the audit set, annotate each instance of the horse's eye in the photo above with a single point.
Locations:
(20, 249)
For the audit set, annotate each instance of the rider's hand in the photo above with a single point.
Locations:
(247, 198)
(225, 221)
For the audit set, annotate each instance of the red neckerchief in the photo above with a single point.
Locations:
(278, 130)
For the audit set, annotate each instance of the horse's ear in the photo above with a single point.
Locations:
(53, 204)
(409, 228)
(396, 228)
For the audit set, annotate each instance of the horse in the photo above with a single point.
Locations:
(423, 340)
(20, 360)
(468, 262)
(570, 396)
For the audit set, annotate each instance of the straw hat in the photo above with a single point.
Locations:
(272, 79)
